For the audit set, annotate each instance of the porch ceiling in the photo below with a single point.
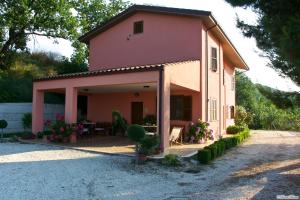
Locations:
(140, 87)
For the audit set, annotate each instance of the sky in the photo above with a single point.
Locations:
(226, 16)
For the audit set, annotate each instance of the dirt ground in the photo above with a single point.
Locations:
(266, 165)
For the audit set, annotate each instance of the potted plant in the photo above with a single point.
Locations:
(61, 131)
(136, 133)
(148, 145)
(3, 125)
(197, 132)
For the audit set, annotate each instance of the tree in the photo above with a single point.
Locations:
(277, 32)
(67, 19)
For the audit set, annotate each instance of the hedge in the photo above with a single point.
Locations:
(219, 147)
(204, 156)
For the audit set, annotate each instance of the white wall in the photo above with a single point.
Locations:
(14, 112)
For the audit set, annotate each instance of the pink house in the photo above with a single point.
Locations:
(176, 64)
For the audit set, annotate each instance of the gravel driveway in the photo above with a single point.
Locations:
(266, 165)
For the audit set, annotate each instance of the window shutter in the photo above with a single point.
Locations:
(214, 59)
(187, 115)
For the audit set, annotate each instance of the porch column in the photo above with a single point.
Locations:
(164, 109)
(37, 110)
(71, 105)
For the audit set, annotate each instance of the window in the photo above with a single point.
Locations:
(181, 108)
(138, 27)
(214, 59)
(232, 112)
(223, 77)
(213, 109)
(233, 83)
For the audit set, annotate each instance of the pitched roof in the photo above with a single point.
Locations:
(141, 8)
(117, 70)
(207, 17)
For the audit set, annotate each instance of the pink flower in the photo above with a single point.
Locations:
(62, 129)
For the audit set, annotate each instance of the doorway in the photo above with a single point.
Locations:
(137, 112)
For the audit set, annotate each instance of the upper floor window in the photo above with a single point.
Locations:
(138, 27)
(213, 109)
(232, 112)
(214, 59)
(233, 83)
(181, 108)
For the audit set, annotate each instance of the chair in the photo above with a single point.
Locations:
(103, 127)
(175, 135)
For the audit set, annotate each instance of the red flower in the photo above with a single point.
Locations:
(62, 129)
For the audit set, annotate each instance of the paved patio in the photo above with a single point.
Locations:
(121, 146)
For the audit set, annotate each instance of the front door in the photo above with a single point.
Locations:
(137, 112)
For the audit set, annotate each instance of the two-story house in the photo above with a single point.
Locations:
(176, 64)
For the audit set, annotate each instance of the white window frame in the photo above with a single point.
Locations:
(213, 110)
(233, 82)
(214, 59)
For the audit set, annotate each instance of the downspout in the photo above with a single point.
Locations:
(206, 53)
(160, 112)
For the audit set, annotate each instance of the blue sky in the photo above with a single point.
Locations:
(226, 15)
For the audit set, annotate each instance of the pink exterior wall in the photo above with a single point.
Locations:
(230, 93)
(216, 88)
(185, 74)
(165, 39)
(100, 106)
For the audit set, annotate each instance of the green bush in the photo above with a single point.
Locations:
(204, 156)
(136, 132)
(40, 134)
(148, 144)
(218, 148)
(233, 129)
(213, 150)
(242, 117)
(172, 160)
(3, 124)
(221, 147)
(26, 120)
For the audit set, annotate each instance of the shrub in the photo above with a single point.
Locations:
(3, 124)
(172, 160)
(213, 149)
(148, 145)
(218, 148)
(242, 117)
(40, 134)
(28, 136)
(198, 131)
(233, 129)
(221, 147)
(136, 132)
(204, 156)
(119, 123)
(26, 120)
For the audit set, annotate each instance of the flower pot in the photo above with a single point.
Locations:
(45, 138)
(65, 139)
(73, 138)
(142, 158)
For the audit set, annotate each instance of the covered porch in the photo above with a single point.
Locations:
(136, 92)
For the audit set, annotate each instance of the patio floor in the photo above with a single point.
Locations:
(122, 145)
(105, 144)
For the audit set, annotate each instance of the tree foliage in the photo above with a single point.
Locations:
(277, 32)
(263, 109)
(67, 19)
(16, 82)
